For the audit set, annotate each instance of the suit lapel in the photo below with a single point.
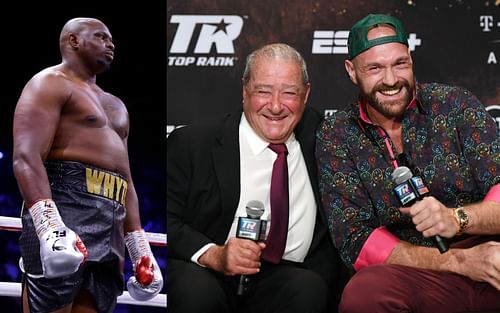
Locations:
(226, 156)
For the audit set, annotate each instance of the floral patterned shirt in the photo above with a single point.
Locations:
(449, 138)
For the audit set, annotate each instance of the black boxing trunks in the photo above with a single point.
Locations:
(91, 202)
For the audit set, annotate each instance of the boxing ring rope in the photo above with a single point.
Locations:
(14, 289)
(14, 224)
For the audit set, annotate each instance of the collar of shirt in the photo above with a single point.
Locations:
(256, 143)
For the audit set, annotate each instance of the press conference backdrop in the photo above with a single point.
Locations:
(452, 41)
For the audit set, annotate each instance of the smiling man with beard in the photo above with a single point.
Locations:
(442, 134)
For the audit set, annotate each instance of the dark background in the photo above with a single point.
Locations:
(29, 42)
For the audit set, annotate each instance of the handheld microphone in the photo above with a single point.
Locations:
(253, 228)
(409, 189)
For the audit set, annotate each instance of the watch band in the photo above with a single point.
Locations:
(462, 220)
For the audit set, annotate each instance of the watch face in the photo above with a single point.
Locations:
(462, 219)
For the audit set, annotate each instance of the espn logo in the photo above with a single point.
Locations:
(335, 42)
(330, 42)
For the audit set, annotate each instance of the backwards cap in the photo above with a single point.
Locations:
(358, 36)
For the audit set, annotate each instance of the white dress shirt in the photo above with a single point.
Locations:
(256, 161)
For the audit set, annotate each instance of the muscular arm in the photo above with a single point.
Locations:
(480, 263)
(484, 218)
(423, 257)
(132, 218)
(431, 217)
(35, 122)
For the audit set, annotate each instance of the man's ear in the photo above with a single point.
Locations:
(411, 59)
(73, 41)
(244, 89)
(349, 67)
(307, 91)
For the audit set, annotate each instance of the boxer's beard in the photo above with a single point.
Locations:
(390, 108)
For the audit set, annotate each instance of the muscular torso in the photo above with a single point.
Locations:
(92, 128)
(62, 114)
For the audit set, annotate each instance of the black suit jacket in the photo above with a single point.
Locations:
(203, 189)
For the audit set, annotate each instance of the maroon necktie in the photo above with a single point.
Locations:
(276, 239)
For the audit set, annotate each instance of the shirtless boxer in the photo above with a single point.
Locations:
(71, 164)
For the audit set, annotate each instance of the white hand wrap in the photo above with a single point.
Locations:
(61, 250)
(147, 280)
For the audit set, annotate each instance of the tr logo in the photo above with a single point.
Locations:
(248, 225)
(216, 30)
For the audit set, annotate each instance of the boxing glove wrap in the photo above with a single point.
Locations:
(147, 280)
(61, 250)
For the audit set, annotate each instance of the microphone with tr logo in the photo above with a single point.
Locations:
(410, 189)
(253, 228)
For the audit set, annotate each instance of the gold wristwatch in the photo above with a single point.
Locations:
(462, 220)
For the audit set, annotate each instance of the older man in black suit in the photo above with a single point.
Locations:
(214, 170)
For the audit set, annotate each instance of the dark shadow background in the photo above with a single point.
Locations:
(29, 43)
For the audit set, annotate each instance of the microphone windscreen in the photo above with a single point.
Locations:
(255, 209)
(401, 174)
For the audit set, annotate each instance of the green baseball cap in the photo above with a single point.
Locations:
(358, 36)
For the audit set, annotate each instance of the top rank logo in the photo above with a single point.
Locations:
(208, 33)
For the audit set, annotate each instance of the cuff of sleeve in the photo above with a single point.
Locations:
(198, 253)
(493, 194)
(376, 249)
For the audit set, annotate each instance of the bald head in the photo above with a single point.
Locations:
(75, 26)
